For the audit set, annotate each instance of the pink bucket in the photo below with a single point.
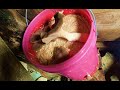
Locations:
(84, 63)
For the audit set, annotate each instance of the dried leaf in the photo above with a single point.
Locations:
(114, 78)
(107, 61)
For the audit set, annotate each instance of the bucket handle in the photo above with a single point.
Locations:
(94, 21)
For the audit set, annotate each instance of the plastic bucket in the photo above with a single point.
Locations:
(84, 63)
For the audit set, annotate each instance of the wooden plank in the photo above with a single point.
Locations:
(108, 24)
(10, 67)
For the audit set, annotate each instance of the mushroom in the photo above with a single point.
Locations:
(58, 31)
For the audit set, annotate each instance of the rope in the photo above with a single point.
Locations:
(26, 17)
